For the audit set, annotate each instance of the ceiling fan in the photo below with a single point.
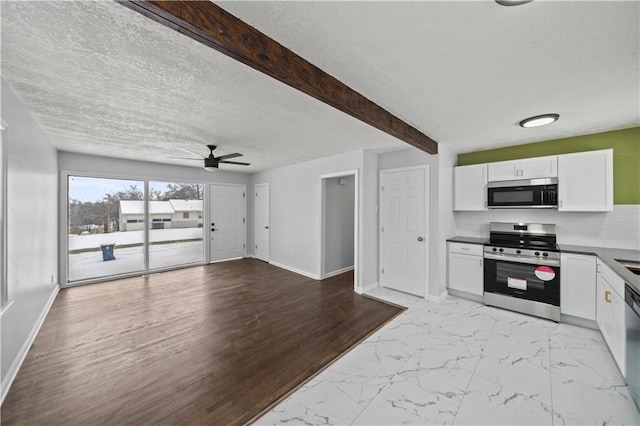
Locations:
(212, 162)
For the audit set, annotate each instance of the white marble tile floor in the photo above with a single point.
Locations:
(460, 362)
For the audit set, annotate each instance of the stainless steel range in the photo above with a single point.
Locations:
(522, 269)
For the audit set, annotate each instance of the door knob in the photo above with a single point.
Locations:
(420, 239)
(266, 227)
(213, 229)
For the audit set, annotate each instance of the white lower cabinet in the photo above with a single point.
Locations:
(578, 285)
(610, 310)
(466, 268)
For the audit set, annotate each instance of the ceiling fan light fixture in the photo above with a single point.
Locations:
(211, 164)
(512, 2)
(539, 120)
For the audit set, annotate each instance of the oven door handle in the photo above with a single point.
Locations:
(548, 262)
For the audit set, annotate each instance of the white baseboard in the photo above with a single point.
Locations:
(367, 288)
(338, 272)
(437, 299)
(297, 271)
(24, 350)
(581, 322)
(465, 295)
(226, 260)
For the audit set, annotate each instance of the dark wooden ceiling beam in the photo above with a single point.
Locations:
(211, 25)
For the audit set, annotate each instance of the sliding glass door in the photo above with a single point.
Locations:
(100, 243)
(115, 227)
(175, 224)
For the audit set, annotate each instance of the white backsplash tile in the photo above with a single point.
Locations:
(619, 228)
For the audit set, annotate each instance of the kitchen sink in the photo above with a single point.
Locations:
(632, 265)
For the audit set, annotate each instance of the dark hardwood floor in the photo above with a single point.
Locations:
(216, 344)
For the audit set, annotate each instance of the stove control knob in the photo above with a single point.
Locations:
(537, 253)
(501, 250)
(545, 254)
(518, 252)
(494, 249)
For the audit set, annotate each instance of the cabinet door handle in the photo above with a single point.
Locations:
(464, 248)
(480, 261)
(560, 203)
(607, 296)
(597, 268)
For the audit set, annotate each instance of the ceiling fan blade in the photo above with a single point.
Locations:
(235, 162)
(226, 157)
(185, 158)
(200, 156)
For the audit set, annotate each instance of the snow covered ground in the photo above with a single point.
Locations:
(131, 259)
(79, 242)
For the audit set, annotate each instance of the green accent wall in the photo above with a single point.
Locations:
(626, 157)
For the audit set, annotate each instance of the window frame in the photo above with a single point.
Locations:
(63, 262)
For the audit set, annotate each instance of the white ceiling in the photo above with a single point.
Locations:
(103, 79)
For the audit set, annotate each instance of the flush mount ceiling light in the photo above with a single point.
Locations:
(512, 2)
(539, 120)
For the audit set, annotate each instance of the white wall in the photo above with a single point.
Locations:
(296, 211)
(368, 236)
(107, 167)
(32, 232)
(339, 223)
(619, 228)
(446, 224)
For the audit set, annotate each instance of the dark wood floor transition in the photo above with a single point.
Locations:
(216, 344)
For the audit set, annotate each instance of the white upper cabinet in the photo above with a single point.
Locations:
(539, 167)
(503, 170)
(585, 181)
(528, 168)
(470, 187)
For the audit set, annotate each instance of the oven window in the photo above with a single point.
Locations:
(513, 197)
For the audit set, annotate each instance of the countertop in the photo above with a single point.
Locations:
(468, 240)
(607, 255)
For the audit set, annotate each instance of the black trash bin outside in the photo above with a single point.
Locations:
(107, 252)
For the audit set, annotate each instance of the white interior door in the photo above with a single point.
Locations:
(403, 237)
(262, 228)
(227, 209)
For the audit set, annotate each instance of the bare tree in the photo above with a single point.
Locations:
(183, 191)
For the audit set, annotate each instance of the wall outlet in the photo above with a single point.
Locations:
(293, 255)
(51, 278)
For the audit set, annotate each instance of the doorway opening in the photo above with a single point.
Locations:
(339, 225)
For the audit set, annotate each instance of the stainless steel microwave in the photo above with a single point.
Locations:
(523, 194)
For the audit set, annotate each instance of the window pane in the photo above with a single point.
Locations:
(105, 227)
(175, 225)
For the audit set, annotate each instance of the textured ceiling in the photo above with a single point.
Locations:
(467, 72)
(103, 79)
